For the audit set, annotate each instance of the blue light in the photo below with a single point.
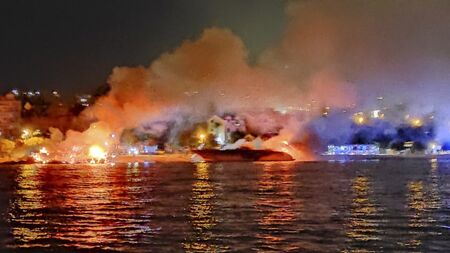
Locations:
(366, 149)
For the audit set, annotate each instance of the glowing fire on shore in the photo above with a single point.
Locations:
(97, 154)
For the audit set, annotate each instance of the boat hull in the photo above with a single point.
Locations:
(214, 155)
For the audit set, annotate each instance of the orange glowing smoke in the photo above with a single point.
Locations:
(211, 75)
(97, 153)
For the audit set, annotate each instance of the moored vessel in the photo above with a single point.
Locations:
(241, 154)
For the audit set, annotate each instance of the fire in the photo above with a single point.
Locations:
(43, 151)
(97, 154)
(26, 133)
(416, 122)
(42, 156)
(202, 138)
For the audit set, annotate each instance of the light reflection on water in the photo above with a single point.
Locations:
(363, 227)
(421, 203)
(263, 207)
(28, 203)
(94, 207)
(276, 203)
(201, 212)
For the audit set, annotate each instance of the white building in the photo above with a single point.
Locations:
(223, 128)
(216, 127)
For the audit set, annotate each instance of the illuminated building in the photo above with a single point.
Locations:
(366, 149)
(84, 100)
(376, 114)
(9, 112)
(416, 122)
(223, 128)
(234, 124)
(216, 127)
(359, 118)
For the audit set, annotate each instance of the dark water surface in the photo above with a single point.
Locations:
(385, 206)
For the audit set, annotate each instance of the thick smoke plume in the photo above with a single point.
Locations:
(338, 54)
(210, 73)
(398, 50)
(208, 76)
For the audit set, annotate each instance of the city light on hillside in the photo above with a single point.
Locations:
(416, 122)
(358, 118)
(202, 137)
(377, 114)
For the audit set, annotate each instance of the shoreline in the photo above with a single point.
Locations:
(384, 156)
(190, 158)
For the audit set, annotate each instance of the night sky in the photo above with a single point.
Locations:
(73, 45)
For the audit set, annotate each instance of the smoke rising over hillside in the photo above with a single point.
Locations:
(337, 54)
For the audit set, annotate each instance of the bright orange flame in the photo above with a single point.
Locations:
(97, 153)
(202, 137)
(43, 151)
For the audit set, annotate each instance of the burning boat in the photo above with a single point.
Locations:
(242, 154)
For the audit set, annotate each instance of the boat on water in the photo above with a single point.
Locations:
(242, 154)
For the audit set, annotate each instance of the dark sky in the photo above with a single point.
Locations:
(73, 45)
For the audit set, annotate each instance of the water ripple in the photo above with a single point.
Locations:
(401, 206)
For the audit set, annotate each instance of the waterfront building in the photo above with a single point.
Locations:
(10, 109)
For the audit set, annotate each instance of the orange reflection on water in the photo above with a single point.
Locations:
(201, 212)
(279, 204)
(27, 221)
(86, 206)
(276, 204)
(362, 226)
(416, 202)
(434, 200)
(421, 201)
(92, 198)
